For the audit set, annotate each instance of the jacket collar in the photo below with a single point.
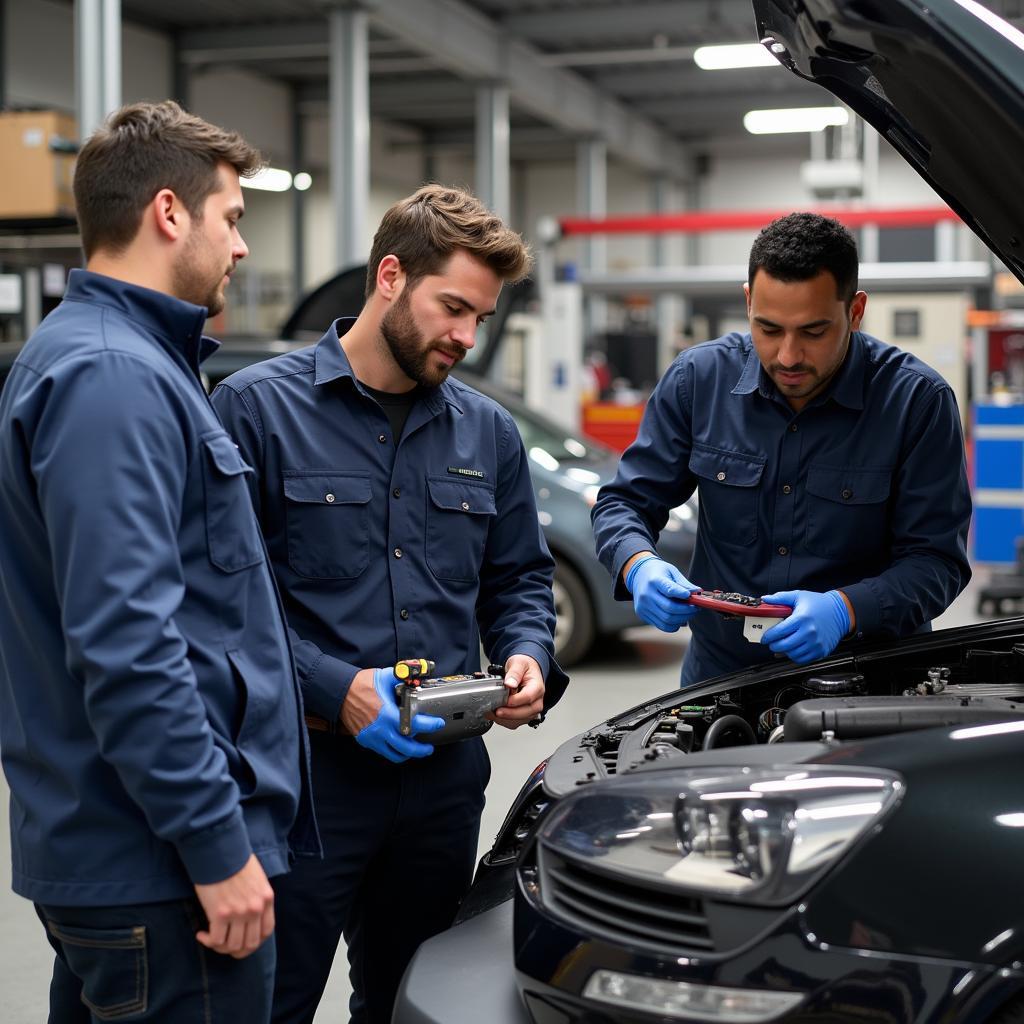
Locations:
(846, 388)
(331, 363)
(176, 323)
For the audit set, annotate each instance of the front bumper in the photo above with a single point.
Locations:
(555, 962)
(464, 976)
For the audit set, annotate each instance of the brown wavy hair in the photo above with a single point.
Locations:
(141, 149)
(424, 229)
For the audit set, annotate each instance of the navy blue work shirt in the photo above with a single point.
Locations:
(864, 490)
(386, 551)
(150, 717)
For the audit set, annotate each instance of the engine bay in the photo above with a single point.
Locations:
(914, 684)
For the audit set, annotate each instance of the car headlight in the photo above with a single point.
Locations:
(762, 835)
(526, 810)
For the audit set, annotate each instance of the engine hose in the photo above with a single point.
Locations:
(721, 727)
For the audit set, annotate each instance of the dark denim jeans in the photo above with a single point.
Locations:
(143, 963)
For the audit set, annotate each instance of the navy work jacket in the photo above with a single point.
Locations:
(150, 717)
(865, 490)
(385, 552)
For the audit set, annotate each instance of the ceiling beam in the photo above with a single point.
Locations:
(724, 21)
(471, 45)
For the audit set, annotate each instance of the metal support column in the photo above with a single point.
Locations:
(298, 199)
(592, 200)
(349, 148)
(97, 61)
(492, 148)
(671, 310)
(869, 245)
(3, 54)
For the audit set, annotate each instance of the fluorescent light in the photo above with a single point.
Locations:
(302, 181)
(734, 55)
(794, 119)
(269, 179)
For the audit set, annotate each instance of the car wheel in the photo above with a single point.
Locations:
(574, 615)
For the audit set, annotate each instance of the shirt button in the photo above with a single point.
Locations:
(397, 492)
(404, 613)
(719, 476)
(382, 438)
(792, 427)
(398, 552)
(786, 488)
(465, 506)
(328, 497)
(783, 551)
(847, 493)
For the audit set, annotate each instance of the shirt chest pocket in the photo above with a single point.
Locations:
(730, 490)
(328, 523)
(458, 518)
(847, 510)
(232, 533)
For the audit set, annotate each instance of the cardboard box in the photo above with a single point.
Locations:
(35, 180)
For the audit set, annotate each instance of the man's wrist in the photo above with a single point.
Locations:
(632, 563)
(850, 613)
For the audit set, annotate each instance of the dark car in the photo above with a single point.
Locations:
(829, 843)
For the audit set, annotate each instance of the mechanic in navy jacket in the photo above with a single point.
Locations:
(401, 523)
(150, 717)
(829, 467)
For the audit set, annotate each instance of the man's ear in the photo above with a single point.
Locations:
(390, 277)
(857, 306)
(746, 293)
(170, 217)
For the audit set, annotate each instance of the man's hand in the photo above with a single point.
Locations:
(523, 677)
(812, 631)
(239, 911)
(658, 590)
(370, 713)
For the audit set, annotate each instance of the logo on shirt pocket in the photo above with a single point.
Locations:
(459, 517)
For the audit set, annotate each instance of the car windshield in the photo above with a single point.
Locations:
(548, 444)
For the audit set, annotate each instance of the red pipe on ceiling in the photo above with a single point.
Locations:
(737, 220)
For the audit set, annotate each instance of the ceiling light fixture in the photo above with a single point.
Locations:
(269, 179)
(733, 55)
(794, 119)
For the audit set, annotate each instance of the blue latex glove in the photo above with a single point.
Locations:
(817, 624)
(657, 588)
(382, 735)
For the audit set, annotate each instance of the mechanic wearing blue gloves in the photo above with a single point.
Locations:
(401, 523)
(830, 469)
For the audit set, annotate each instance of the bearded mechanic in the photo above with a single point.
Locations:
(829, 466)
(401, 522)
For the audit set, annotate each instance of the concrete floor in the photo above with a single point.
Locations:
(619, 673)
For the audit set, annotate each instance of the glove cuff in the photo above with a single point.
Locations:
(842, 613)
(631, 575)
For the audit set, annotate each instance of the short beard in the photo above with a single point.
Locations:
(191, 284)
(406, 346)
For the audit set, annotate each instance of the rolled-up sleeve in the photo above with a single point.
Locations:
(110, 461)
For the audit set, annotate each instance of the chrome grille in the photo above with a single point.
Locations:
(621, 909)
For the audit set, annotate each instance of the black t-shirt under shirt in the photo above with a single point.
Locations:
(396, 406)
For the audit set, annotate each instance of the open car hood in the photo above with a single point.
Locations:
(941, 80)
